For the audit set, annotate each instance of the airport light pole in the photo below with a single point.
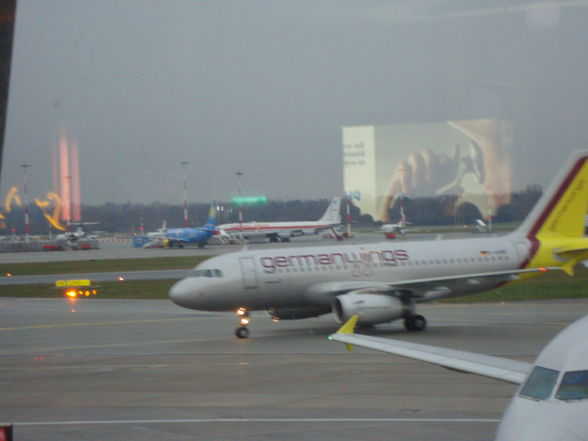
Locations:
(26, 201)
(239, 174)
(184, 164)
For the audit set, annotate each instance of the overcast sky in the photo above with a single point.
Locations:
(264, 87)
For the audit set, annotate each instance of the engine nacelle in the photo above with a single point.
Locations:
(372, 308)
(297, 313)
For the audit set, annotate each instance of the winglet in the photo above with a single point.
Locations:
(568, 267)
(348, 328)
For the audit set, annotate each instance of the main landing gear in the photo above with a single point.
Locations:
(242, 331)
(415, 323)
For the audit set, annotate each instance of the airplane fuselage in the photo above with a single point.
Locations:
(251, 230)
(295, 277)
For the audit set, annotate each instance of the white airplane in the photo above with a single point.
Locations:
(552, 402)
(383, 282)
(79, 233)
(155, 239)
(391, 230)
(160, 231)
(281, 231)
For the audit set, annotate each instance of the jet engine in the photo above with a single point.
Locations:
(372, 308)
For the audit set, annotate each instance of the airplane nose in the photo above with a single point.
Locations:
(181, 292)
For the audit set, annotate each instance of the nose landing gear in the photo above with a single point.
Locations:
(242, 331)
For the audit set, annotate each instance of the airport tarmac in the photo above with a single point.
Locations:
(95, 369)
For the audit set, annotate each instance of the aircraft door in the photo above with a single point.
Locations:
(248, 273)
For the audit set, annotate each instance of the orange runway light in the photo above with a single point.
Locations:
(72, 293)
(121, 279)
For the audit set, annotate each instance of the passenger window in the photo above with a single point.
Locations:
(574, 386)
(540, 383)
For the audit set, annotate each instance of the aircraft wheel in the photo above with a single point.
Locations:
(180, 245)
(242, 332)
(415, 323)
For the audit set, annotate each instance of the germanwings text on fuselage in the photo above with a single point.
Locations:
(388, 257)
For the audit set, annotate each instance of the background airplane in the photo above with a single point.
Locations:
(383, 282)
(179, 237)
(281, 231)
(392, 230)
(79, 233)
(550, 405)
(160, 231)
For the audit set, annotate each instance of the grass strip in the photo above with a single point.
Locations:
(101, 265)
(142, 289)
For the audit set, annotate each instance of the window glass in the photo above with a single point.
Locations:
(574, 386)
(540, 383)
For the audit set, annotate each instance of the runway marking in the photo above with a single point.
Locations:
(260, 420)
(70, 325)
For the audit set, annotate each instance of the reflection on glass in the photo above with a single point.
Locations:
(540, 383)
(574, 386)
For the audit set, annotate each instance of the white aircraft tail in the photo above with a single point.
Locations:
(562, 208)
(555, 225)
(333, 214)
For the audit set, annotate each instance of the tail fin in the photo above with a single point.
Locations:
(332, 215)
(561, 210)
(211, 222)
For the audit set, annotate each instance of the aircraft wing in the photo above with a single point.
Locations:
(427, 288)
(510, 371)
(423, 287)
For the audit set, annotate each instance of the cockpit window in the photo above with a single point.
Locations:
(574, 386)
(206, 273)
(540, 383)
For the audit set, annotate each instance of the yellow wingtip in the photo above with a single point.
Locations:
(349, 326)
(569, 268)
